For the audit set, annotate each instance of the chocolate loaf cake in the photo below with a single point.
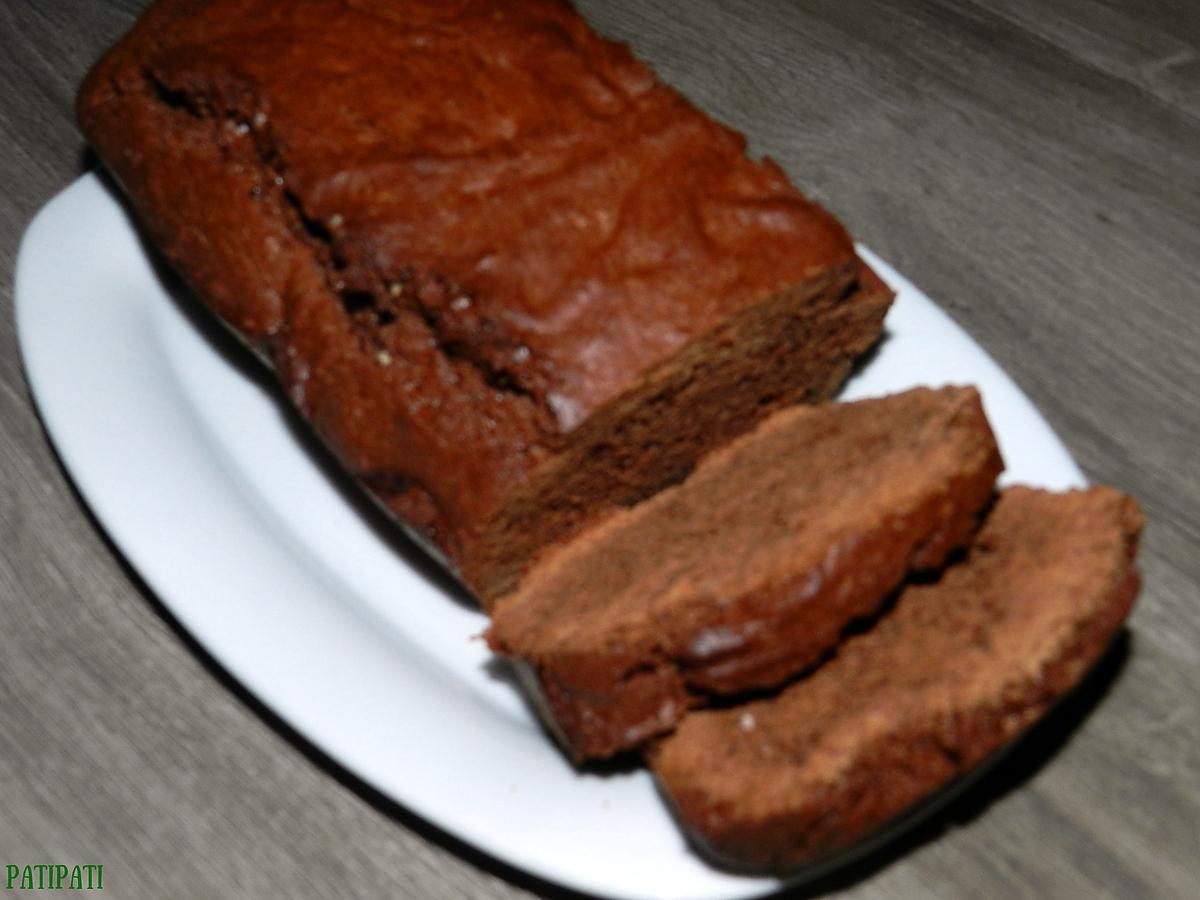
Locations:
(748, 571)
(512, 279)
(956, 670)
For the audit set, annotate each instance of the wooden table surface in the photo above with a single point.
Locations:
(1035, 167)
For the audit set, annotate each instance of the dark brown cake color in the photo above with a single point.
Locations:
(512, 279)
(955, 671)
(747, 572)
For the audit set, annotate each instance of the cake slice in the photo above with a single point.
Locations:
(747, 572)
(956, 670)
(512, 279)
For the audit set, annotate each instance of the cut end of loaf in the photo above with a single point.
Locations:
(797, 347)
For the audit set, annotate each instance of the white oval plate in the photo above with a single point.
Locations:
(194, 471)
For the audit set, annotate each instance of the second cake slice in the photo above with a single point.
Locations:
(958, 669)
(748, 572)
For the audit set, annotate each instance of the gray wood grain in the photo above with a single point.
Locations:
(1035, 167)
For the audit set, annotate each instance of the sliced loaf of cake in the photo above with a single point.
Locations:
(956, 670)
(748, 572)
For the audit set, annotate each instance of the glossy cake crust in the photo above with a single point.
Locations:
(512, 279)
